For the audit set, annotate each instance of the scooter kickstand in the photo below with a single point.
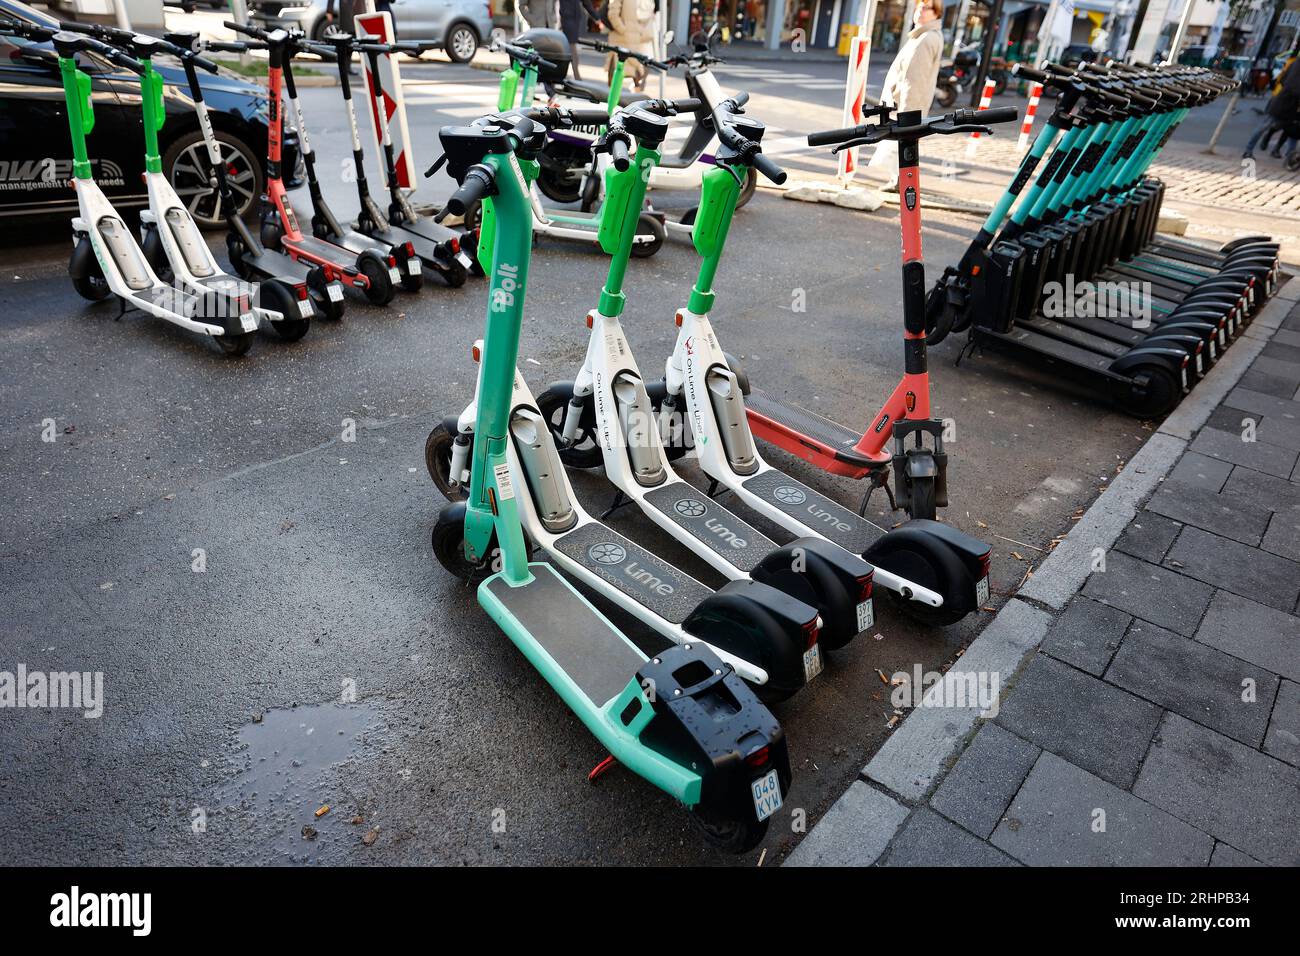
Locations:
(600, 769)
(879, 479)
(620, 500)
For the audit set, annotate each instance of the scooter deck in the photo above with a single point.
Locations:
(831, 434)
(631, 569)
(574, 635)
(167, 297)
(321, 249)
(712, 525)
(811, 508)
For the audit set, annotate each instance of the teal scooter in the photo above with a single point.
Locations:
(683, 720)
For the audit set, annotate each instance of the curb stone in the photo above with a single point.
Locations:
(859, 826)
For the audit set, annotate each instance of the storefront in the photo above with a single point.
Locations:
(770, 23)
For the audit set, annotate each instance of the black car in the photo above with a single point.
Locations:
(36, 151)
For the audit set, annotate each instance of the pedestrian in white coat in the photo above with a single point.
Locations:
(632, 24)
(910, 82)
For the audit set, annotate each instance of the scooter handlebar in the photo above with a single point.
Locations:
(618, 153)
(478, 184)
(1029, 73)
(769, 169)
(245, 28)
(996, 114)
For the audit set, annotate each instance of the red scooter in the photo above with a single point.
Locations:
(367, 271)
(920, 471)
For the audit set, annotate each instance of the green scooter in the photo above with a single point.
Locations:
(683, 719)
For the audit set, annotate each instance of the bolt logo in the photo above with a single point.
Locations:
(689, 508)
(503, 296)
(790, 496)
(607, 553)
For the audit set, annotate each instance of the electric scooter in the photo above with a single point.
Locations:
(367, 271)
(324, 224)
(106, 259)
(609, 407)
(170, 239)
(831, 587)
(437, 246)
(940, 574)
(248, 257)
(920, 472)
(683, 720)
(544, 55)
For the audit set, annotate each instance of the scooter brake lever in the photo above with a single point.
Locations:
(860, 141)
(438, 164)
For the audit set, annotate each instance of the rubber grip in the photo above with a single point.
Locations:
(998, 114)
(829, 137)
(769, 169)
(477, 184)
(1029, 73)
(618, 153)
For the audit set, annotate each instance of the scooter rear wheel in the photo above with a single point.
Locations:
(1154, 392)
(931, 565)
(648, 224)
(726, 833)
(235, 344)
(277, 297)
(379, 287)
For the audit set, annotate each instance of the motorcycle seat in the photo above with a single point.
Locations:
(596, 92)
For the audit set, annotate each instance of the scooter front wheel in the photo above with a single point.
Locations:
(748, 189)
(923, 499)
(449, 547)
(87, 277)
(156, 255)
(437, 458)
(584, 451)
(727, 833)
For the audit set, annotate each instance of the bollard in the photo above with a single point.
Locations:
(986, 98)
(1035, 93)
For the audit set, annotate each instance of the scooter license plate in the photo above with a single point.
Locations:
(766, 791)
(304, 308)
(249, 321)
(412, 267)
(464, 260)
(982, 591)
(334, 291)
(866, 615)
(812, 663)
(394, 274)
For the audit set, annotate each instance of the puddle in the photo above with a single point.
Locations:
(292, 764)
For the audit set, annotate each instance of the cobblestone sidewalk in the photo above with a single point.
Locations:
(1154, 715)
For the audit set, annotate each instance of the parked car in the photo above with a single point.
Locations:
(36, 151)
(461, 25)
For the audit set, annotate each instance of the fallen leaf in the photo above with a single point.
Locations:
(356, 819)
(308, 832)
(370, 838)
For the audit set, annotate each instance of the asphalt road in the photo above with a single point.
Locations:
(223, 689)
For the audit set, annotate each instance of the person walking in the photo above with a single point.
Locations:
(910, 82)
(574, 15)
(1280, 114)
(632, 24)
(539, 14)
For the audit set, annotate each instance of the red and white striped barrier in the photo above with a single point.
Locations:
(986, 100)
(1035, 94)
(855, 89)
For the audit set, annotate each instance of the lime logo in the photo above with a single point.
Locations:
(790, 496)
(607, 552)
(690, 508)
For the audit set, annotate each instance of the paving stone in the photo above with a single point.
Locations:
(927, 839)
(1228, 446)
(1262, 404)
(1247, 629)
(1225, 855)
(1228, 419)
(1147, 590)
(854, 831)
(1250, 572)
(1087, 634)
(1201, 471)
(1241, 796)
(1282, 352)
(1278, 387)
(1276, 494)
(1283, 738)
(1278, 368)
(984, 780)
(1276, 431)
(1228, 513)
(1103, 729)
(1195, 680)
(1051, 823)
(1287, 337)
(1283, 536)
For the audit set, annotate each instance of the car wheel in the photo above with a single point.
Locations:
(186, 165)
(461, 43)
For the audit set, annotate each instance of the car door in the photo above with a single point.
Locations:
(420, 19)
(36, 155)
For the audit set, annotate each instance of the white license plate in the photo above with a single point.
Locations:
(812, 663)
(766, 791)
(866, 615)
(394, 274)
(982, 591)
(249, 321)
(334, 291)
(1184, 370)
(413, 267)
(464, 260)
(304, 308)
